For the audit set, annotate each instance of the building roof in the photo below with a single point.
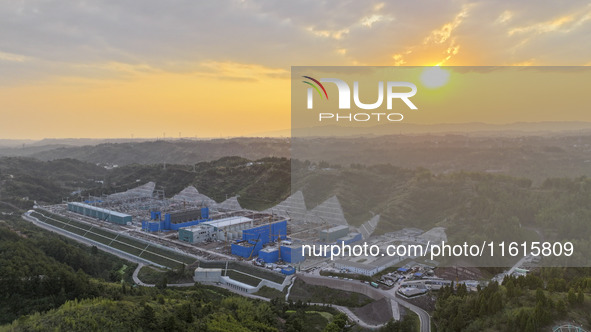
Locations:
(363, 266)
(193, 228)
(349, 236)
(411, 291)
(225, 222)
(111, 212)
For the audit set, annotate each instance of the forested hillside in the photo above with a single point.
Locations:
(532, 303)
(467, 204)
(154, 152)
(49, 283)
(40, 271)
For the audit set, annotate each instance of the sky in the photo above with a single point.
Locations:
(222, 68)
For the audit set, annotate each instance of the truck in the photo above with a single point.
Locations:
(373, 284)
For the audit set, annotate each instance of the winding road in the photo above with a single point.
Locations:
(423, 315)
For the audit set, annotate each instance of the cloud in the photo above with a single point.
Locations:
(12, 57)
(440, 42)
(45, 38)
(442, 34)
(505, 17)
(239, 71)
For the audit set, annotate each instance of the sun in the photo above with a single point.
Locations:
(434, 77)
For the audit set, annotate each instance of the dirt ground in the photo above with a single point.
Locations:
(426, 302)
(459, 273)
(377, 312)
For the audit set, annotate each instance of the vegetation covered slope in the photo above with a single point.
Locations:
(260, 184)
(532, 156)
(541, 156)
(40, 271)
(468, 205)
(533, 303)
(48, 283)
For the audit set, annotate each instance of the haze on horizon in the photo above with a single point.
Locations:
(219, 69)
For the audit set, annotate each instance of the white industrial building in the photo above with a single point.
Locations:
(207, 275)
(358, 268)
(225, 229)
(216, 275)
(229, 228)
(196, 234)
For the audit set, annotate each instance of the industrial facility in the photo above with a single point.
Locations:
(225, 229)
(100, 213)
(192, 219)
(193, 223)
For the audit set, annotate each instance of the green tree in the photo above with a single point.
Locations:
(572, 297)
(561, 307)
(332, 327)
(540, 297)
(580, 297)
(148, 318)
(340, 320)
(162, 283)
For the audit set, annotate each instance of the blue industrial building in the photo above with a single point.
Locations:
(269, 254)
(171, 220)
(290, 253)
(268, 232)
(99, 213)
(246, 249)
(288, 270)
(253, 239)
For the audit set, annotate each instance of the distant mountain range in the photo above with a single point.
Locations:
(123, 152)
(533, 150)
(472, 129)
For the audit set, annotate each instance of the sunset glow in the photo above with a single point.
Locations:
(223, 69)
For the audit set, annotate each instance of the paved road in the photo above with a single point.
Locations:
(423, 315)
(141, 283)
(136, 279)
(352, 316)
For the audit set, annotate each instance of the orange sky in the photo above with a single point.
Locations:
(223, 68)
